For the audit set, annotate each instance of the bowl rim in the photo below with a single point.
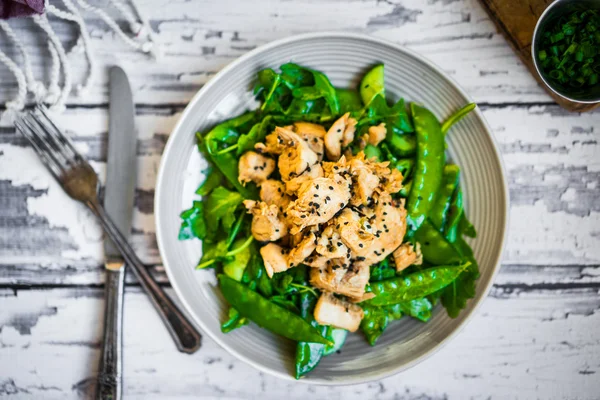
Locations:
(547, 83)
(187, 114)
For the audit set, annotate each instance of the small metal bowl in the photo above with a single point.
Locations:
(585, 95)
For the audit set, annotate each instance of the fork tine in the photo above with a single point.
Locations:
(49, 147)
(57, 135)
(44, 155)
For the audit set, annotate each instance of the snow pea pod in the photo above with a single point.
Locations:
(308, 354)
(374, 322)
(455, 212)
(413, 286)
(429, 166)
(267, 314)
(436, 249)
(442, 203)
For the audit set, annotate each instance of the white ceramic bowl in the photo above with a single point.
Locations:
(344, 58)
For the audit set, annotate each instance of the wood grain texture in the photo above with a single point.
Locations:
(516, 20)
(549, 350)
(535, 336)
(199, 37)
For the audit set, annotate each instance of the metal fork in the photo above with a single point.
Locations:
(79, 180)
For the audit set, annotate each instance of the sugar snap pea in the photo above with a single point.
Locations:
(267, 314)
(413, 286)
(429, 166)
(436, 249)
(440, 207)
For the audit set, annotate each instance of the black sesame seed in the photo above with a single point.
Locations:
(346, 223)
(339, 244)
(360, 245)
(303, 216)
(339, 130)
(317, 187)
(315, 195)
(327, 198)
(330, 187)
(315, 140)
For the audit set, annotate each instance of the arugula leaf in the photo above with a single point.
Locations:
(349, 100)
(418, 308)
(455, 295)
(257, 134)
(220, 206)
(212, 180)
(234, 321)
(382, 270)
(396, 117)
(213, 252)
(218, 139)
(192, 224)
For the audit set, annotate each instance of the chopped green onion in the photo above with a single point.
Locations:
(557, 37)
(569, 49)
(542, 55)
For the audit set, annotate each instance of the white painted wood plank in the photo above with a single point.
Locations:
(198, 38)
(531, 345)
(552, 159)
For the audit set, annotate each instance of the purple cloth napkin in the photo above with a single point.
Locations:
(20, 8)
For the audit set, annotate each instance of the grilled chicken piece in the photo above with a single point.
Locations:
(254, 167)
(364, 297)
(407, 255)
(317, 261)
(330, 244)
(390, 226)
(377, 134)
(365, 182)
(339, 135)
(318, 201)
(348, 282)
(313, 172)
(313, 134)
(273, 144)
(268, 224)
(353, 233)
(296, 157)
(330, 310)
(272, 192)
(274, 258)
(304, 249)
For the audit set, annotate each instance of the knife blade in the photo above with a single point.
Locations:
(121, 161)
(118, 204)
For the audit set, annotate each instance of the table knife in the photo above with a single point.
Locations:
(118, 203)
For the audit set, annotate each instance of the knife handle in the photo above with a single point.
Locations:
(186, 337)
(110, 372)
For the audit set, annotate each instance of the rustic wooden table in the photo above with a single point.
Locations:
(537, 335)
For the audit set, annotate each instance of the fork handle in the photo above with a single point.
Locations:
(186, 337)
(110, 371)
